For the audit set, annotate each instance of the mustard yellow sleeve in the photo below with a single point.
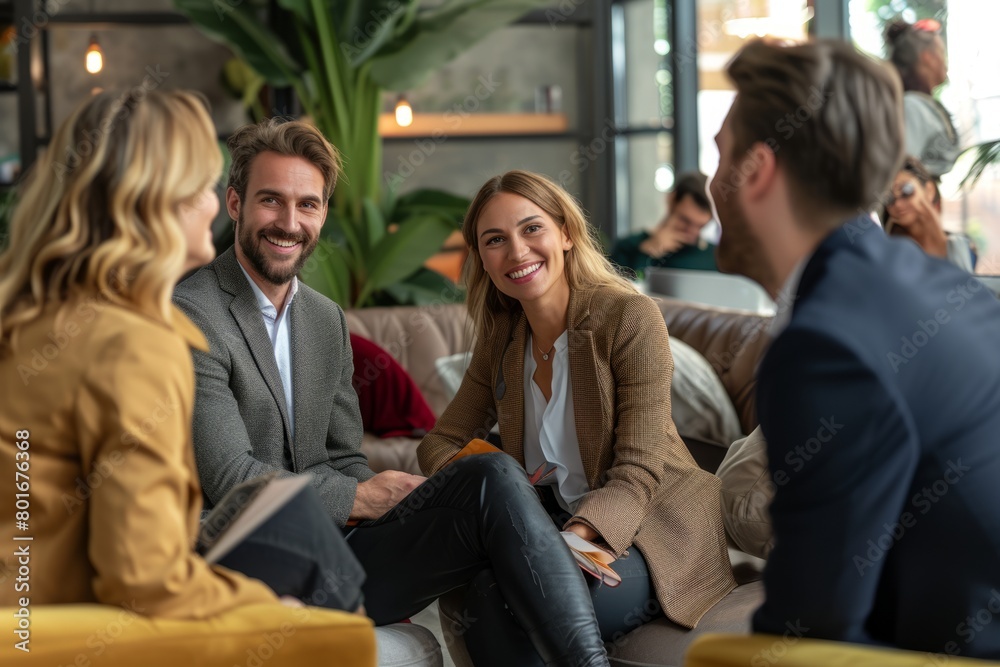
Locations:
(134, 412)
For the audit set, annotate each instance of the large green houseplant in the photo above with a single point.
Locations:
(339, 56)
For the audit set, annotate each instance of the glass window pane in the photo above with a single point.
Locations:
(651, 176)
(724, 26)
(647, 76)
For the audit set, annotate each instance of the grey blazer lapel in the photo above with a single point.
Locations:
(310, 372)
(246, 312)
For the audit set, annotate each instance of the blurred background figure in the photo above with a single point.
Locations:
(676, 241)
(918, 53)
(913, 210)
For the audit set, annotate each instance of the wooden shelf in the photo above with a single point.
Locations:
(104, 20)
(474, 124)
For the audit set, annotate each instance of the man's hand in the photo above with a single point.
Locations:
(383, 492)
(662, 240)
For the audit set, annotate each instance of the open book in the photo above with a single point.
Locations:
(243, 509)
(591, 558)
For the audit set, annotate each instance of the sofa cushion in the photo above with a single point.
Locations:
(732, 341)
(747, 492)
(416, 337)
(390, 401)
(270, 634)
(451, 370)
(407, 645)
(699, 404)
(719, 650)
(661, 642)
(398, 453)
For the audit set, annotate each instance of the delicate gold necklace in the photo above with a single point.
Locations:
(545, 355)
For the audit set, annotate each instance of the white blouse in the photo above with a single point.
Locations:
(550, 428)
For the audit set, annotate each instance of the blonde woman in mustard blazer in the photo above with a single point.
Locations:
(96, 363)
(545, 301)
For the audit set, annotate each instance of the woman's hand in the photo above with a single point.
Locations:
(922, 223)
(584, 531)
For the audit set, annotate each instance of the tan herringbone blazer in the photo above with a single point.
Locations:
(646, 489)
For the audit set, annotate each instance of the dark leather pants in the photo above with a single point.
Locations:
(480, 513)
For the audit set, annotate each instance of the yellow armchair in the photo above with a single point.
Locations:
(723, 650)
(252, 636)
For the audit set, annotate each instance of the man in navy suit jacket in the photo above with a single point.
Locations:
(880, 394)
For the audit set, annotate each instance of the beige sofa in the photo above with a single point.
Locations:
(732, 341)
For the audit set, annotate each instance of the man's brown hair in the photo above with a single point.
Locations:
(292, 138)
(832, 116)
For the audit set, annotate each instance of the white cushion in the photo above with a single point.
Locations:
(407, 645)
(700, 405)
(747, 492)
(451, 370)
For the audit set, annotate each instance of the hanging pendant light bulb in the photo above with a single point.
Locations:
(404, 112)
(95, 57)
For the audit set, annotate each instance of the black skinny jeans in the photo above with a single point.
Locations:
(480, 517)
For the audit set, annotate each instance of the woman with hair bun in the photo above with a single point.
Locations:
(918, 53)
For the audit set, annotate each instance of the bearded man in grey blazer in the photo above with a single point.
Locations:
(274, 395)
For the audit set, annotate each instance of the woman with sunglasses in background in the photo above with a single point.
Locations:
(913, 210)
(919, 55)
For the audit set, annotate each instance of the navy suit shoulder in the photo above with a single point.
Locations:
(880, 403)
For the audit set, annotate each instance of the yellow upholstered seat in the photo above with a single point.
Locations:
(721, 650)
(254, 635)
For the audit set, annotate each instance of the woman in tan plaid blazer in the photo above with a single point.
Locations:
(535, 276)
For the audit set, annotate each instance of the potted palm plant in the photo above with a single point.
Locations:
(339, 56)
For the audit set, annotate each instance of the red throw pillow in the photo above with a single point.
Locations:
(390, 401)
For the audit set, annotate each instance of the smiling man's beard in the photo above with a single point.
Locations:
(251, 247)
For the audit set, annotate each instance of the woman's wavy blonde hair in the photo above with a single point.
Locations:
(99, 213)
(586, 266)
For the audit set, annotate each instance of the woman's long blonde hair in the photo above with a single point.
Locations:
(586, 266)
(99, 213)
